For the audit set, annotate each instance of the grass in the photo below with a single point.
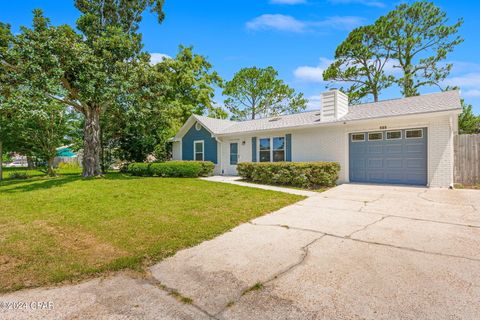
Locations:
(69, 228)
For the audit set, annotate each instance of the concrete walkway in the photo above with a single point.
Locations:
(236, 180)
(352, 252)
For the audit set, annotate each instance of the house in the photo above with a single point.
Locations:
(398, 141)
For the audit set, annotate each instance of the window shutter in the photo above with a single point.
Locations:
(254, 149)
(288, 145)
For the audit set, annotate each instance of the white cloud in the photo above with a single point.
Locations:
(276, 22)
(314, 102)
(156, 57)
(282, 22)
(340, 22)
(369, 3)
(287, 1)
(472, 93)
(312, 73)
(468, 80)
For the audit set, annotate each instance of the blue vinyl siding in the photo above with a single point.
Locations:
(209, 144)
(400, 161)
(254, 149)
(288, 151)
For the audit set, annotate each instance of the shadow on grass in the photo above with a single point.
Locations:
(43, 182)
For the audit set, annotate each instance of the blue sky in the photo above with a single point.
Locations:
(296, 37)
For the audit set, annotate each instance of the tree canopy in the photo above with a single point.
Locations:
(414, 39)
(257, 92)
(361, 61)
(88, 71)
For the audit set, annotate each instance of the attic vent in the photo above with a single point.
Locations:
(274, 119)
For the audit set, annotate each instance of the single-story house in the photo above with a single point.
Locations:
(398, 141)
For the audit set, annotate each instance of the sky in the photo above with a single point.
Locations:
(297, 37)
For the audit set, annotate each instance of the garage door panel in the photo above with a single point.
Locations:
(415, 148)
(375, 163)
(414, 163)
(372, 149)
(391, 149)
(376, 176)
(402, 161)
(394, 163)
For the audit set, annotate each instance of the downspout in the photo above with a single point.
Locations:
(221, 155)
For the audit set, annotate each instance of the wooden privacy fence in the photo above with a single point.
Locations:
(467, 158)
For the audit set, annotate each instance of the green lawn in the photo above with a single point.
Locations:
(69, 228)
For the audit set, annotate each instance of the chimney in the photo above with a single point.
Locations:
(334, 105)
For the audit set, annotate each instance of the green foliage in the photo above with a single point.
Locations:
(257, 92)
(468, 123)
(418, 38)
(360, 60)
(413, 38)
(91, 71)
(166, 95)
(298, 174)
(177, 169)
(19, 175)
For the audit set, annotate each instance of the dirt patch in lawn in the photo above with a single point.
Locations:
(92, 250)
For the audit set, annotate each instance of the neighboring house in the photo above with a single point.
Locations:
(65, 155)
(400, 141)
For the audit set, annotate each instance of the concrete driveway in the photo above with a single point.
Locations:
(353, 252)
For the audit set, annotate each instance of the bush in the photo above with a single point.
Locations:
(178, 169)
(19, 176)
(69, 166)
(309, 175)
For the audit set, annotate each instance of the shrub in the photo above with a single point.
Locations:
(69, 166)
(19, 176)
(298, 174)
(180, 169)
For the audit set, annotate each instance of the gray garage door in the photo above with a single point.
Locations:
(392, 156)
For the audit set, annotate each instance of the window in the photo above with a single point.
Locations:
(198, 126)
(198, 150)
(356, 137)
(373, 136)
(394, 135)
(233, 153)
(414, 134)
(265, 150)
(278, 149)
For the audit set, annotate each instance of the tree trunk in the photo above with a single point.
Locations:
(30, 163)
(91, 143)
(50, 170)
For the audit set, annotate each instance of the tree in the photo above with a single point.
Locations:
(163, 98)
(360, 60)
(257, 92)
(419, 39)
(468, 123)
(37, 125)
(90, 71)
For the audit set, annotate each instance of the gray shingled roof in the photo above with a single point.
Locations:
(433, 102)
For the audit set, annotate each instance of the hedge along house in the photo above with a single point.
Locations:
(400, 141)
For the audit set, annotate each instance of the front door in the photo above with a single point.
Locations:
(233, 159)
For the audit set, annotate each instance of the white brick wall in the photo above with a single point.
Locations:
(331, 144)
(440, 149)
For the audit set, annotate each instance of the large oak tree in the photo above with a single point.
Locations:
(89, 70)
